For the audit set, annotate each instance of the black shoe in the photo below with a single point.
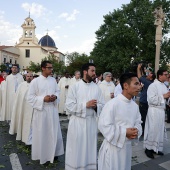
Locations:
(46, 164)
(149, 153)
(159, 153)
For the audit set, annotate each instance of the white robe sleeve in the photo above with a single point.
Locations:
(37, 102)
(73, 106)
(100, 103)
(113, 133)
(153, 97)
(57, 93)
(138, 123)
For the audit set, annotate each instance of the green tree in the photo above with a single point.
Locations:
(58, 67)
(75, 61)
(128, 36)
(3, 67)
(34, 67)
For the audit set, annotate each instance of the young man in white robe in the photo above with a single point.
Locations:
(22, 113)
(63, 85)
(43, 95)
(107, 86)
(155, 121)
(12, 83)
(76, 78)
(3, 97)
(84, 103)
(120, 123)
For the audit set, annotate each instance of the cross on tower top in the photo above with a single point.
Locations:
(47, 31)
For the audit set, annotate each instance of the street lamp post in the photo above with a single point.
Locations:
(159, 22)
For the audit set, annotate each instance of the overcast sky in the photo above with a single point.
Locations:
(71, 23)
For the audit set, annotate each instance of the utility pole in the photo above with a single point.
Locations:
(159, 22)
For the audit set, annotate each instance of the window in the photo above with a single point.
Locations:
(27, 53)
(15, 61)
(26, 33)
(4, 60)
(10, 61)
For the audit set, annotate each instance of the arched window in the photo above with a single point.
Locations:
(30, 34)
(26, 33)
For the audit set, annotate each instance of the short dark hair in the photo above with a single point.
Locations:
(86, 67)
(126, 78)
(160, 72)
(15, 65)
(44, 63)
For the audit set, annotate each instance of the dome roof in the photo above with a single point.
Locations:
(47, 41)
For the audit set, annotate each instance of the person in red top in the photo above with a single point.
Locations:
(1, 78)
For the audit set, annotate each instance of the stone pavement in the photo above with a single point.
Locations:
(141, 162)
(9, 145)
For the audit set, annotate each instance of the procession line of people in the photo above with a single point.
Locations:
(32, 107)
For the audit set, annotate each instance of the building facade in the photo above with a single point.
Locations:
(29, 48)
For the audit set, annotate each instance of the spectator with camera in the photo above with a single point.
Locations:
(146, 79)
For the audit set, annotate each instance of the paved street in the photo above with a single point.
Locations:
(15, 155)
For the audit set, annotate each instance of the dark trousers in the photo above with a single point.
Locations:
(143, 108)
(168, 113)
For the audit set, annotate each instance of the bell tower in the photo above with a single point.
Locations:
(28, 28)
(28, 35)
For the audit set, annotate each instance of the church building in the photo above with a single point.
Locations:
(29, 48)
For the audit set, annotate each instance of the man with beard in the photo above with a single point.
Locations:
(22, 113)
(84, 103)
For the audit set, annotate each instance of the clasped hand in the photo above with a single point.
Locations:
(166, 95)
(131, 133)
(91, 103)
(49, 98)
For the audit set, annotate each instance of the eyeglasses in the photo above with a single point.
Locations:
(165, 74)
(49, 68)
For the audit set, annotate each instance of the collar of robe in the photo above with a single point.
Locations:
(122, 97)
(160, 81)
(106, 83)
(44, 76)
(86, 81)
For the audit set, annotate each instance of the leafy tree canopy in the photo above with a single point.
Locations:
(127, 36)
(75, 61)
(58, 67)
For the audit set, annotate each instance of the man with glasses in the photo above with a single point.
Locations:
(107, 86)
(146, 81)
(155, 121)
(43, 95)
